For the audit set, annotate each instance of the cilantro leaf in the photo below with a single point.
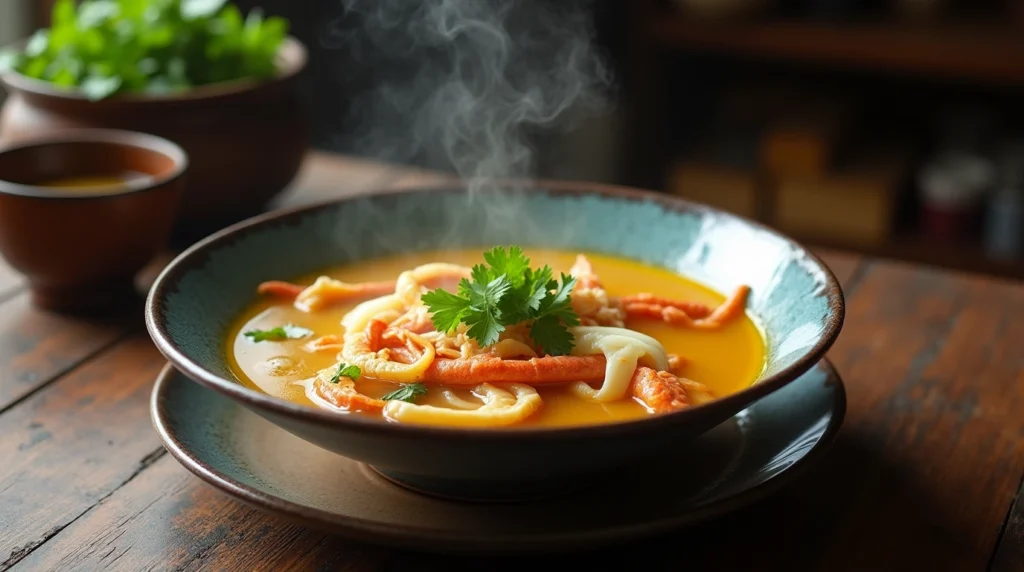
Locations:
(97, 87)
(285, 332)
(448, 309)
(513, 263)
(504, 292)
(558, 303)
(549, 333)
(527, 296)
(538, 282)
(555, 316)
(344, 370)
(484, 316)
(96, 12)
(8, 60)
(38, 43)
(406, 392)
(192, 9)
(480, 275)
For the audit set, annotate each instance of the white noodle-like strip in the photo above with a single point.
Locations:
(389, 316)
(357, 352)
(458, 402)
(622, 356)
(623, 349)
(409, 286)
(357, 318)
(321, 292)
(512, 348)
(312, 296)
(500, 407)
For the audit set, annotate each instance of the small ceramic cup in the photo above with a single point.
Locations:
(81, 247)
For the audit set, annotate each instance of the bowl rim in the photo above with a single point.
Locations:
(292, 59)
(87, 136)
(169, 277)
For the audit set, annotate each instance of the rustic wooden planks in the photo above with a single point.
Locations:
(933, 448)
(36, 346)
(70, 446)
(1009, 556)
(167, 519)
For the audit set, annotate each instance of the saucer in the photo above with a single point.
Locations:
(737, 462)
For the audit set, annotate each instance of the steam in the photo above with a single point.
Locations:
(463, 84)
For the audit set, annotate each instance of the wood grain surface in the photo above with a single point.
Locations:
(1010, 554)
(923, 476)
(38, 346)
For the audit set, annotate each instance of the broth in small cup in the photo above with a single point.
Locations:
(94, 183)
(82, 213)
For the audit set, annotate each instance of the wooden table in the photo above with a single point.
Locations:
(924, 476)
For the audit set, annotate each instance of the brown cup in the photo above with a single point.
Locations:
(246, 139)
(81, 250)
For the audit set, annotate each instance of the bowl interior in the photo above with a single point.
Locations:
(793, 296)
(135, 161)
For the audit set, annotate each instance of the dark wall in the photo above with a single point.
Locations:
(334, 78)
(308, 23)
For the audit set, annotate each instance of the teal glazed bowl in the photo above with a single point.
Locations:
(794, 297)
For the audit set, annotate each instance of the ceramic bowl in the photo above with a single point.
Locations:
(795, 297)
(246, 139)
(80, 251)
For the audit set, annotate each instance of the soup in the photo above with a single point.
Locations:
(92, 183)
(509, 339)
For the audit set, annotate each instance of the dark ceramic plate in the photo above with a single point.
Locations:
(739, 461)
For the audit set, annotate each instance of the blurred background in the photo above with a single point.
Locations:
(890, 127)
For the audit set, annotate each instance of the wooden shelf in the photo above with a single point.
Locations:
(984, 53)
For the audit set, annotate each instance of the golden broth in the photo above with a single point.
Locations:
(725, 360)
(92, 183)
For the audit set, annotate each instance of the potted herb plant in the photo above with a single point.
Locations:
(196, 72)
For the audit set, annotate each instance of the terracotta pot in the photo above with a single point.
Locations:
(81, 250)
(245, 140)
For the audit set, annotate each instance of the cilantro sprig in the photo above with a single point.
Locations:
(345, 370)
(105, 47)
(285, 332)
(406, 392)
(504, 292)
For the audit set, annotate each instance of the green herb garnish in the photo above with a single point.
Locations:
(104, 47)
(285, 332)
(344, 370)
(506, 291)
(407, 392)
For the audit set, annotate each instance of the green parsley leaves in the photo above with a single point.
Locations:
(104, 47)
(285, 332)
(344, 370)
(406, 392)
(506, 291)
